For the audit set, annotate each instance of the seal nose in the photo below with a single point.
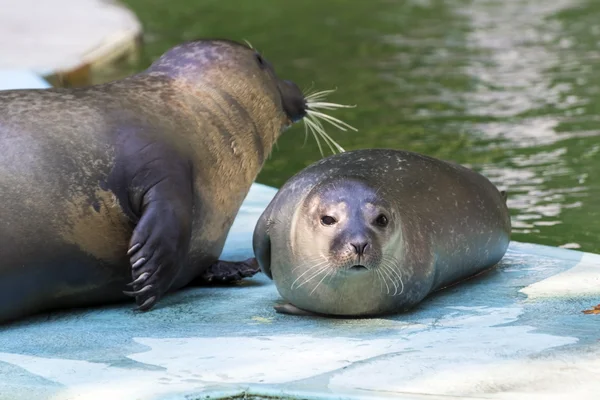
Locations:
(294, 103)
(359, 247)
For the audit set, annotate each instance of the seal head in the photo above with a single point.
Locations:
(221, 60)
(344, 230)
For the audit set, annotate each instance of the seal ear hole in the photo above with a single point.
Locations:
(328, 220)
(382, 220)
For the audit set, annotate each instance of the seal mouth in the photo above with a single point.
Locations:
(358, 268)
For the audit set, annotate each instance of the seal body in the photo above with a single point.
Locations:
(374, 231)
(138, 179)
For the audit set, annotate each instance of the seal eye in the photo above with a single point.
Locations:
(328, 220)
(381, 220)
(260, 60)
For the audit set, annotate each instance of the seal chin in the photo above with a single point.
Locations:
(293, 101)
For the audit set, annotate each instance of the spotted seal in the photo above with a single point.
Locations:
(374, 231)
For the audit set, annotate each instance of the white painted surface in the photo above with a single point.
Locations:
(232, 338)
(465, 355)
(54, 35)
(582, 280)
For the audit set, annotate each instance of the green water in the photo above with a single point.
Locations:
(510, 88)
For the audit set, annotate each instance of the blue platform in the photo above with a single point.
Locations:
(517, 332)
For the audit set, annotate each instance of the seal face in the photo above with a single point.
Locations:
(374, 231)
(135, 181)
(351, 223)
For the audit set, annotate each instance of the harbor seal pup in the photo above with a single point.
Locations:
(374, 231)
(137, 180)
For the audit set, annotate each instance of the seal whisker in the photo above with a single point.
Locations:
(312, 119)
(315, 125)
(308, 271)
(390, 262)
(319, 257)
(322, 93)
(317, 95)
(305, 135)
(393, 275)
(320, 130)
(338, 123)
(305, 264)
(323, 268)
(325, 136)
(315, 106)
(315, 117)
(385, 269)
(333, 275)
(340, 148)
(401, 290)
(316, 266)
(390, 259)
(305, 91)
(396, 281)
(312, 127)
(328, 106)
(311, 267)
(380, 279)
(321, 281)
(316, 98)
(328, 139)
(384, 280)
(307, 122)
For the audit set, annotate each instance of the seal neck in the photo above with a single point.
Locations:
(248, 125)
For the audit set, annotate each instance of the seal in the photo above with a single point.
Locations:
(374, 231)
(135, 181)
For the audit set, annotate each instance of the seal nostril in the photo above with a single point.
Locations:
(359, 248)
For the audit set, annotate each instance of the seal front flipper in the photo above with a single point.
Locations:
(160, 240)
(229, 271)
(159, 198)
